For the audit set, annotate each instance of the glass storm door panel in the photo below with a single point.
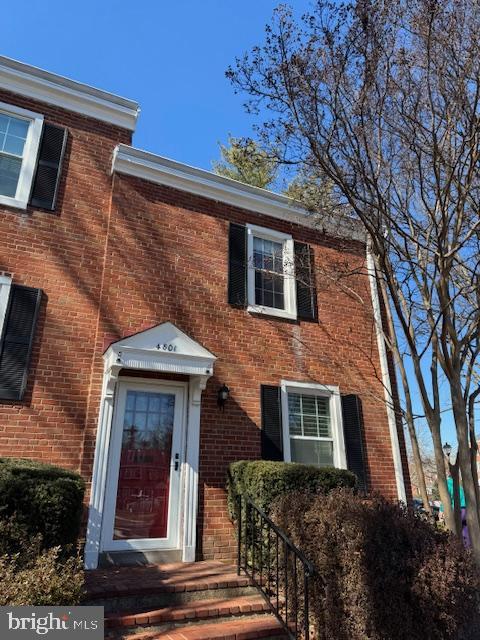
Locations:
(143, 488)
(144, 475)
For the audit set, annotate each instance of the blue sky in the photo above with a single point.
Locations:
(170, 56)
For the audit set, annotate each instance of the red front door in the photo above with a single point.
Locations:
(143, 488)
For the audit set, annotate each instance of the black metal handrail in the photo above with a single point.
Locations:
(276, 567)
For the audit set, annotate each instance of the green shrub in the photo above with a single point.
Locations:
(264, 481)
(44, 580)
(44, 499)
(15, 540)
(381, 571)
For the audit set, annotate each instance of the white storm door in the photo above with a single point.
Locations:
(145, 460)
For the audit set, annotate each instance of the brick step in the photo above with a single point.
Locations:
(233, 628)
(194, 610)
(157, 586)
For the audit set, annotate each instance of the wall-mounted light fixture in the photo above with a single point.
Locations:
(222, 396)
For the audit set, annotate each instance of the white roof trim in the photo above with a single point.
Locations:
(149, 166)
(32, 82)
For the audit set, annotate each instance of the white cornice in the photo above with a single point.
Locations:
(32, 82)
(160, 170)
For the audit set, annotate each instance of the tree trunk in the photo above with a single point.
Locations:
(461, 423)
(392, 342)
(473, 442)
(457, 507)
(418, 464)
(442, 476)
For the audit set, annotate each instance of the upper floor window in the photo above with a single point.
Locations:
(20, 132)
(271, 273)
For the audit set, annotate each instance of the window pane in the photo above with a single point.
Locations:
(310, 426)
(309, 405)
(313, 413)
(294, 402)
(9, 174)
(324, 428)
(258, 244)
(295, 425)
(154, 403)
(15, 133)
(130, 400)
(268, 298)
(142, 401)
(267, 282)
(153, 420)
(278, 301)
(317, 452)
(324, 422)
(18, 128)
(14, 145)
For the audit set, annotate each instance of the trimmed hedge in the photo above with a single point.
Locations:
(381, 571)
(264, 481)
(44, 500)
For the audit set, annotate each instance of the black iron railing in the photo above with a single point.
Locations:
(276, 567)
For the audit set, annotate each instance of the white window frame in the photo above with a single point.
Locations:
(323, 390)
(30, 153)
(290, 310)
(5, 285)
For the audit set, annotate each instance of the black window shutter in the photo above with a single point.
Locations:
(237, 265)
(49, 166)
(17, 340)
(353, 434)
(305, 282)
(272, 447)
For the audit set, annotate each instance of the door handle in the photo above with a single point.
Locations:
(177, 461)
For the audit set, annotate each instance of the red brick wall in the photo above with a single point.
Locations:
(60, 252)
(167, 260)
(112, 266)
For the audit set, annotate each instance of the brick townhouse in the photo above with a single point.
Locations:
(158, 321)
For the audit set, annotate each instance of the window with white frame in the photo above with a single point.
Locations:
(20, 132)
(312, 424)
(271, 277)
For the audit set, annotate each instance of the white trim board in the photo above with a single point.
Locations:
(386, 381)
(160, 170)
(30, 81)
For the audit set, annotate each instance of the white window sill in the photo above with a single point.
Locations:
(16, 203)
(271, 311)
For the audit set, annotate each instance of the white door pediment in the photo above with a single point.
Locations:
(160, 338)
(162, 348)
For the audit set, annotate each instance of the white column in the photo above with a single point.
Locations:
(99, 475)
(197, 385)
(387, 385)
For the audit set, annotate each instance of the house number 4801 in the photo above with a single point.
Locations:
(166, 347)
